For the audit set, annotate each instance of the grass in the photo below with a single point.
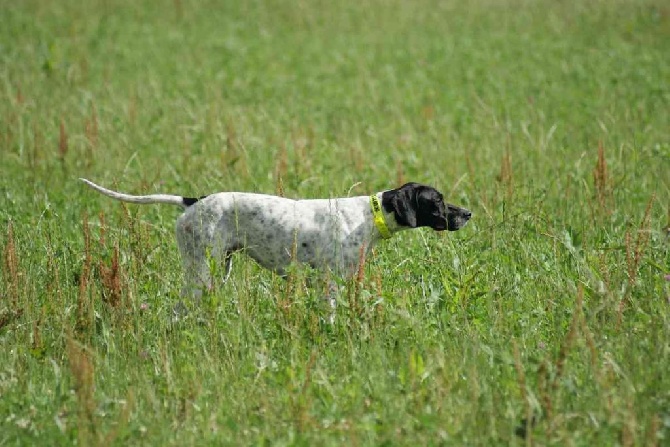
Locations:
(546, 321)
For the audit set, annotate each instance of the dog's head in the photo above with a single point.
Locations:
(415, 205)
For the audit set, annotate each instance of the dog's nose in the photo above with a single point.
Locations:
(467, 214)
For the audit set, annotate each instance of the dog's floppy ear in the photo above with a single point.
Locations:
(404, 204)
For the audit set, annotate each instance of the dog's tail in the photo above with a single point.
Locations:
(169, 199)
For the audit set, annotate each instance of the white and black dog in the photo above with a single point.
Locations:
(327, 234)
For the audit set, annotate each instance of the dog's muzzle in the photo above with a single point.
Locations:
(458, 219)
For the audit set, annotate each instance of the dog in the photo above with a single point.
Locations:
(326, 234)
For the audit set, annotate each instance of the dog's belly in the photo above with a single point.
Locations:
(278, 249)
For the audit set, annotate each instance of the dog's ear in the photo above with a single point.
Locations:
(405, 205)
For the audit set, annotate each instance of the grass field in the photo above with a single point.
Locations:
(546, 321)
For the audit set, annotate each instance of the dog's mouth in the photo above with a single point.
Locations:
(456, 222)
(455, 226)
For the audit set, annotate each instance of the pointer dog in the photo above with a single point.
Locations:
(275, 231)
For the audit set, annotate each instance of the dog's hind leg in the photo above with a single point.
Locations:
(192, 247)
(197, 278)
(332, 292)
(229, 265)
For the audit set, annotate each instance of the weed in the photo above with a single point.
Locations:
(12, 273)
(602, 183)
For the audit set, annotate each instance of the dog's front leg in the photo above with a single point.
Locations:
(330, 298)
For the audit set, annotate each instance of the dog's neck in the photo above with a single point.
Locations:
(378, 217)
(389, 218)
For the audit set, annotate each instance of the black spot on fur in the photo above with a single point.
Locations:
(188, 201)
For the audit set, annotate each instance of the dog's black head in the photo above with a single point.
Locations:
(415, 205)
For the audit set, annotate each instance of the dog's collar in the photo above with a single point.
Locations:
(380, 222)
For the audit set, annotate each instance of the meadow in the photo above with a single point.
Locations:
(545, 321)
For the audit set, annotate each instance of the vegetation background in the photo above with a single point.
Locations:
(545, 321)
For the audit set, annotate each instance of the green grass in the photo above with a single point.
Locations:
(551, 303)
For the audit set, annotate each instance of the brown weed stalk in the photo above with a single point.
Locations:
(91, 128)
(280, 170)
(82, 369)
(91, 133)
(303, 141)
(627, 435)
(604, 269)
(301, 406)
(11, 275)
(652, 431)
(37, 345)
(428, 112)
(137, 239)
(103, 229)
(83, 301)
(53, 282)
(9, 316)
(506, 176)
(111, 280)
(400, 172)
(234, 151)
(110, 275)
(62, 141)
(132, 109)
(11, 270)
(135, 232)
(601, 181)
(37, 144)
(9, 129)
(356, 157)
(635, 250)
(379, 308)
(179, 9)
(231, 137)
(291, 280)
(20, 99)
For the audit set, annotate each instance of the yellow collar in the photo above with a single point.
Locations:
(380, 223)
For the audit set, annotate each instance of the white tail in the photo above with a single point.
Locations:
(151, 198)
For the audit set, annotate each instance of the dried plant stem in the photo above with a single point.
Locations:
(82, 370)
(11, 271)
